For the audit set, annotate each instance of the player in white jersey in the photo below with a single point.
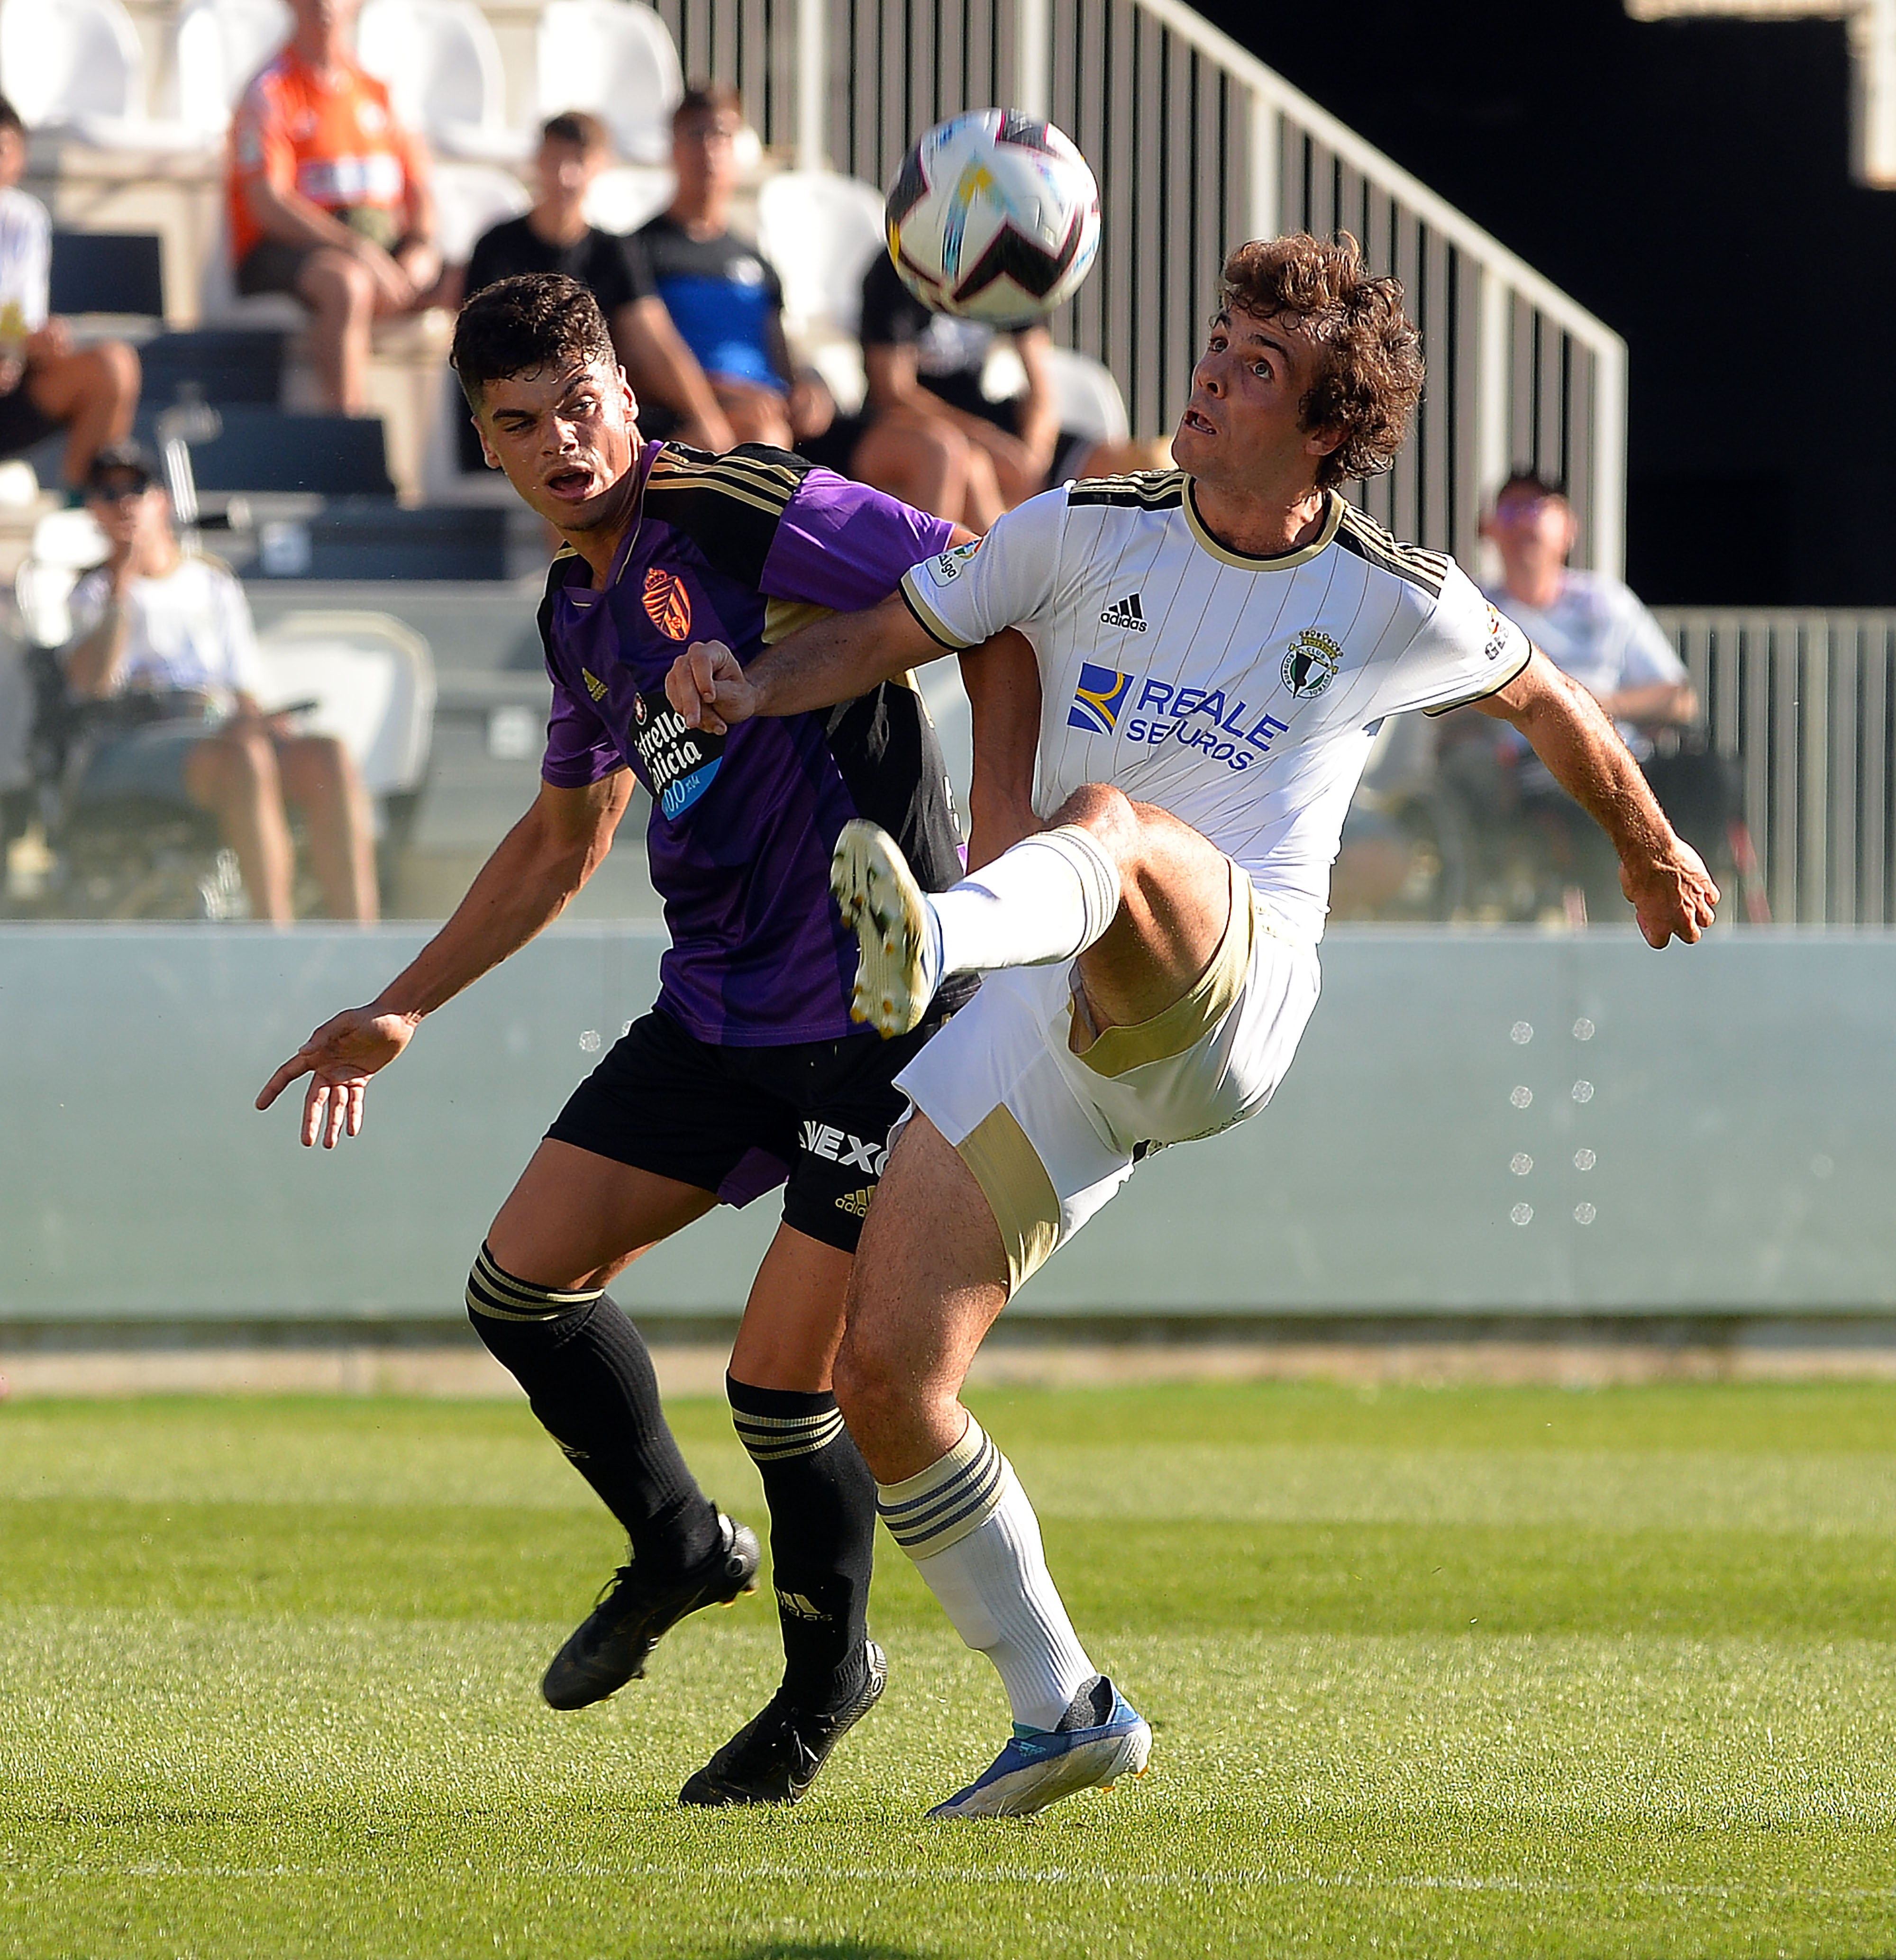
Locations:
(1216, 648)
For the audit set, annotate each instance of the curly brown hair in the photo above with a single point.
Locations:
(1369, 378)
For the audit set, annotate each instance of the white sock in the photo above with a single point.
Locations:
(1047, 899)
(967, 1523)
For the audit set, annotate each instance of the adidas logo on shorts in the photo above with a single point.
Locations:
(1126, 613)
(856, 1203)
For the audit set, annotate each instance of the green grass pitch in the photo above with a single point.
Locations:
(1468, 1672)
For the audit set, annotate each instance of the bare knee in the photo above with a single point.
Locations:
(115, 371)
(242, 766)
(338, 287)
(864, 1379)
(1107, 813)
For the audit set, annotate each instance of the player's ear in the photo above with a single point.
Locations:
(632, 399)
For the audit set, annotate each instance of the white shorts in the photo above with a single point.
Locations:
(1051, 1123)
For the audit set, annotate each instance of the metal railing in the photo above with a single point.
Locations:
(1807, 703)
(1198, 145)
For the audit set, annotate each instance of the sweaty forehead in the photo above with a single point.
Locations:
(534, 389)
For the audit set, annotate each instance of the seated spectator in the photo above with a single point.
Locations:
(46, 384)
(554, 236)
(169, 636)
(928, 435)
(1593, 629)
(329, 199)
(724, 297)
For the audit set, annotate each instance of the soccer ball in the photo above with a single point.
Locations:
(993, 216)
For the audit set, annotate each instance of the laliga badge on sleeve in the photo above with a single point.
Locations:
(679, 763)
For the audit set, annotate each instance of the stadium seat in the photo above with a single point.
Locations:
(442, 65)
(614, 58)
(260, 449)
(120, 272)
(820, 230)
(374, 679)
(213, 364)
(1088, 398)
(628, 195)
(220, 45)
(77, 67)
(469, 199)
(64, 544)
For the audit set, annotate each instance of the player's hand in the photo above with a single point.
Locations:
(338, 1059)
(708, 687)
(1672, 894)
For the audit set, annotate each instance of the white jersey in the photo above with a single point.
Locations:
(1241, 694)
(26, 259)
(189, 630)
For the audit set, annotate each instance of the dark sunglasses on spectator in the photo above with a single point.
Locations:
(118, 491)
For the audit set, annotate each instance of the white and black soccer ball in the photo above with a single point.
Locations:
(993, 216)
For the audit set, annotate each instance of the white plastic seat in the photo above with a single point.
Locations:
(442, 66)
(76, 66)
(820, 230)
(64, 544)
(615, 59)
(221, 47)
(628, 195)
(1087, 396)
(374, 677)
(470, 198)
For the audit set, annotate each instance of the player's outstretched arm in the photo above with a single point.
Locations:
(1002, 679)
(522, 889)
(1672, 893)
(835, 660)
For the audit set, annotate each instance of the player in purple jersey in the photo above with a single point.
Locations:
(748, 1073)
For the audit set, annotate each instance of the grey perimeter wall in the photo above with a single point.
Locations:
(1735, 1098)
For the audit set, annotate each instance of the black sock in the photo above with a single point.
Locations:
(589, 1380)
(822, 1502)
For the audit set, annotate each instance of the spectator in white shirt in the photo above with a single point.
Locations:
(1590, 626)
(169, 635)
(1596, 632)
(46, 384)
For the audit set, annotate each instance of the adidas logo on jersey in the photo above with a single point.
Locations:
(1126, 613)
(594, 685)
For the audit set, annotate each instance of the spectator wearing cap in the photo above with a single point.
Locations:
(722, 295)
(329, 199)
(554, 236)
(47, 384)
(166, 636)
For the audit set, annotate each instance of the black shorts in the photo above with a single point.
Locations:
(24, 424)
(739, 1122)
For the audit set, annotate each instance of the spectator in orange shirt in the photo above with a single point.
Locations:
(329, 197)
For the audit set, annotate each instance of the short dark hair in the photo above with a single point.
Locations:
(1536, 482)
(522, 325)
(1369, 376)
(714, 95)
(10, 117)
(575, 125)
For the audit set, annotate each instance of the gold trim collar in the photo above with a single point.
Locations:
(1279, 562)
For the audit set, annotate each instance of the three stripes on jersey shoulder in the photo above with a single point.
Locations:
(1362, 535)
(1139, 490)
(748, 479)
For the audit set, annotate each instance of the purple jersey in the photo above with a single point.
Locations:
(739, 547)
